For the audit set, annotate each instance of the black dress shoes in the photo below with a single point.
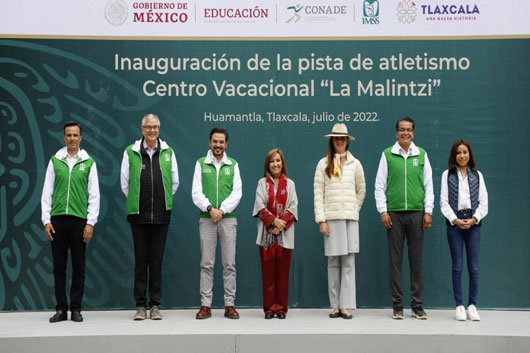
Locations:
(280, 315)
(269, 316)
(59, 316)
(76, 316)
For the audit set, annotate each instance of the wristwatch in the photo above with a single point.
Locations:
(209, 208)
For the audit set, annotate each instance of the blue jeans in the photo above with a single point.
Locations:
(471, 238)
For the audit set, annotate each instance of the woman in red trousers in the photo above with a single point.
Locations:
(276, 207)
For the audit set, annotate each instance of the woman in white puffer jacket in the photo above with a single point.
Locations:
(339, 189)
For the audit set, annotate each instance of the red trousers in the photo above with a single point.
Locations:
(275, 266)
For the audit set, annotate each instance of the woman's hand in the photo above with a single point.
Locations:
(470, 222)
(323, 228)
(279, 224)
(464, 223)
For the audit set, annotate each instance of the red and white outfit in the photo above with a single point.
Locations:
(275, 201)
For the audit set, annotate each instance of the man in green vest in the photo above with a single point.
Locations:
(149, 179)
(216, 191)
(404, 197)
(70, 209)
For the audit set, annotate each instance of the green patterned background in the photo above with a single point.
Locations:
(44, 83)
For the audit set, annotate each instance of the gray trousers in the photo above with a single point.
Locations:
(406, 224)
(225, 231)
(341, 281)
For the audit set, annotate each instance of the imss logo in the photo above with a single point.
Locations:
(371, 12)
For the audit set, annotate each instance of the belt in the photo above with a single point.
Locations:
(466, 211)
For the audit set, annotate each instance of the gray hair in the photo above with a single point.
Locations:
(150, 116)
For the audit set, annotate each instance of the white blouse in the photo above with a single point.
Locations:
(464, 197)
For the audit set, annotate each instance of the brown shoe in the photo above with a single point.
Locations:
(204, 313)
(231, 313)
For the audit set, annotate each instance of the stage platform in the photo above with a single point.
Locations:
(304, 330)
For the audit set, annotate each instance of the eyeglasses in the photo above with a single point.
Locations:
(151, 127)
(405, 130)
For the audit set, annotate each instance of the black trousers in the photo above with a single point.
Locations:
(149, 244)
(68, 236)
(406, 224)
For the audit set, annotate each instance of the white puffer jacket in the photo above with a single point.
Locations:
(339, 198)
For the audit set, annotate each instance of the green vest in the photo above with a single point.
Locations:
(70, 189)
(132, 203)
(405, 190)
(216, 189)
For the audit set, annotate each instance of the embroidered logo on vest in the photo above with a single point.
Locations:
(166, 157)
(82, 167)
(206, 170)
(415, 162)
(227, 171)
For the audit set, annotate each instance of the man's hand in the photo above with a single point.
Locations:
(386, 221)
(49, 230)
(88, 232)
(427, 220)
(216, 215)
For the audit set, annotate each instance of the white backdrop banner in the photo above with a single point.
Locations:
(268, 19)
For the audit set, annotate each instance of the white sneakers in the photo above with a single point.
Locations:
(472, 313)
(460, 313)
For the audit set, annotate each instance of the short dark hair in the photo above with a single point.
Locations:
(72, 123)
(219, 130)
(407, 119)
(452, 154)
